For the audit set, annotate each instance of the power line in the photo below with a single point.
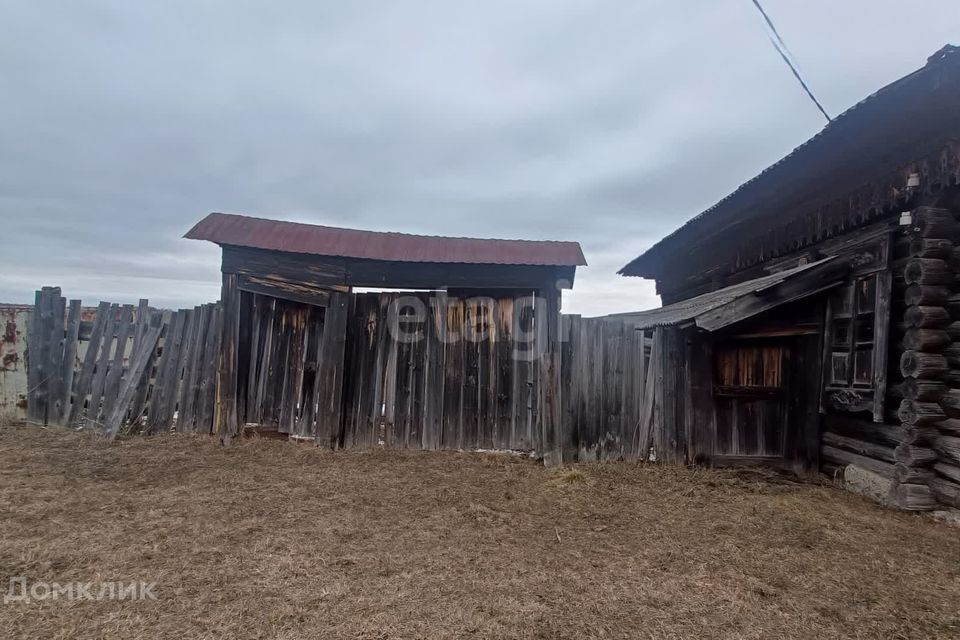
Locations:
(781, 48)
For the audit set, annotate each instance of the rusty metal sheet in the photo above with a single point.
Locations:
(278, 235)
(14, 320)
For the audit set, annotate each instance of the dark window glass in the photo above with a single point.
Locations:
(839, 368)
(864, 330)
(863, 366)
(841, 333)
(840, 302)
(866, 294)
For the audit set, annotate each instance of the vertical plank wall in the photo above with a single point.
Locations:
(444, 375)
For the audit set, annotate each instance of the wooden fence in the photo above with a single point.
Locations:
(602, 377)
(419, 370)
(428, 371)
(134, 368)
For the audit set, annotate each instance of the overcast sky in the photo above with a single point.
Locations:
(609, 122)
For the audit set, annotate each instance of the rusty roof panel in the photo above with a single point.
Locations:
(295, 237)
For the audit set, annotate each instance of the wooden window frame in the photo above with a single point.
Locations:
(852, 395)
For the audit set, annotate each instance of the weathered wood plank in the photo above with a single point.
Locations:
(68, 363)
(226, 418)
(103, 364)
(330, 371)
(145, 316)
(486, 372)
(137, 369)
(39, 357)
(550, 419)
(208, 380)
(55, 362)
(651, 394)
(85, 379)
(159, 410)
(452, 436)
(433, 385)
(111, 387)
(569, 381)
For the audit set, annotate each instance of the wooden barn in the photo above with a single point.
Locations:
(813, 315)
(304, 354)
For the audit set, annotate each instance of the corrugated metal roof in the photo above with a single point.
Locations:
(688, 310)
(295, 237)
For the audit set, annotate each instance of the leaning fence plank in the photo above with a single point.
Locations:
(157, 413)
(208, 379)
(138, 364)
(68, 362)
(176, 401)
(139, 406)
(191, 343)
(112, 384)
(89, 363)
(227, 416)
(103, 364)
(191, 380)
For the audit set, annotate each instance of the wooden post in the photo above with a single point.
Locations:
(551, 410)
(226, 419)
(329, 381)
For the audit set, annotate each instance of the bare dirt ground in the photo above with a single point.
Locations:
(268, 539)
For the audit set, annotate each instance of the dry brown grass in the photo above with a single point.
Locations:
(269, 539)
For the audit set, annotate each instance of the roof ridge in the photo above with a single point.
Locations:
(393, 233)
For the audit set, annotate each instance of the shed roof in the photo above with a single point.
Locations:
(909, 121)
(296, 237)
(720, 308)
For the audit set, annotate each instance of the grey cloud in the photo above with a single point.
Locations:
(607, 122)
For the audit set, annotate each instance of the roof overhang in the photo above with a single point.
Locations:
(719, 309)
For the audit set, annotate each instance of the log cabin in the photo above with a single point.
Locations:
(813, 315)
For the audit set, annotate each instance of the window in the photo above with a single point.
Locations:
(854, 317)
(855, 345)
(749, 367)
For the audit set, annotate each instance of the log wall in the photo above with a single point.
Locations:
(912, 454)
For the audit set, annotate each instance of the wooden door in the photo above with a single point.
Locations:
(752, 393)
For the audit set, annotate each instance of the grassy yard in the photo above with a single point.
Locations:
(268, 539)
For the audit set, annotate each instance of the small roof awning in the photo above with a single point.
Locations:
(724, 307)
